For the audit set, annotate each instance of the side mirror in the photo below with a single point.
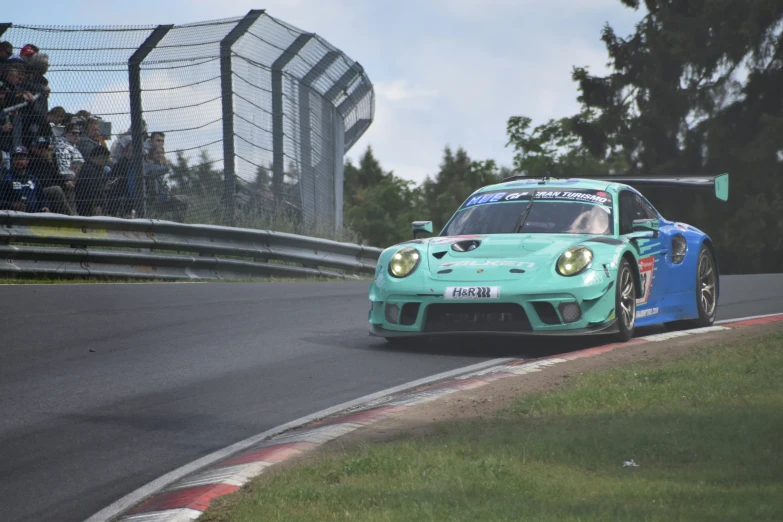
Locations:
(645, 228)
(421, 226)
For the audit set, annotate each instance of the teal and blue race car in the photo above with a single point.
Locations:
(550, 257)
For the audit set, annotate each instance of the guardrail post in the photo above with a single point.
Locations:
(4, 27)
(137, 123)
(309, 192)
(227, 100)
(278, 157)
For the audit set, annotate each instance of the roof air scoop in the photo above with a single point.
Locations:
(466, 245)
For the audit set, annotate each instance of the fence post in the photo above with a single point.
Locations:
(227, 100)
(278, 157)
(333, 126)
(4, 27)
(309, 192)
(137, 125)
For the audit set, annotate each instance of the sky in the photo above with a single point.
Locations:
(445, 72)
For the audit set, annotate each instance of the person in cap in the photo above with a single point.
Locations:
(20, 190)
(91, 185)
(59, 192)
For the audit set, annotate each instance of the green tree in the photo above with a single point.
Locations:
(458, 178)
(378, 205)
(675, 103)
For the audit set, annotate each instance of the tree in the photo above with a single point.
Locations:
(675, 103)
(378, 205)
(458, 177)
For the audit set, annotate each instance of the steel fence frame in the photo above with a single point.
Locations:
(321, 101)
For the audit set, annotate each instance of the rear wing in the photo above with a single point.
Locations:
(719, 183)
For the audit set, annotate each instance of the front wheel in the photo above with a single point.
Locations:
(625, 301)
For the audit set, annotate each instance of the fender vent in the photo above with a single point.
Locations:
(438, 255)
(465, 246)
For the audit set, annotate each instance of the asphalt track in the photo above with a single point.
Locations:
(104, 388)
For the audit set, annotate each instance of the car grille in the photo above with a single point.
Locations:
(476, 317)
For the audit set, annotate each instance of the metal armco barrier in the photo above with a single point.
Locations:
(152, 249)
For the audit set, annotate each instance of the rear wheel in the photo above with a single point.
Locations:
(625, 301)
(706, 293)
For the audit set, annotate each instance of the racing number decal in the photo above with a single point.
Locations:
(646, 267)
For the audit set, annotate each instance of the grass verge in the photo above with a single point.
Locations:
(704, 429)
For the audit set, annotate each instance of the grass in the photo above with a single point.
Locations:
(705, 431)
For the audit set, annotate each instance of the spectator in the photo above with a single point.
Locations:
(156, 139)
(59, 192)
(68, 157)
(91, 138)
(123, 140)
(119, 185)
(35, 82)
(20, 190)
(18, 95)
(162, 200)
(6, 125)
(92, 183)
(6, 51)
(57, 118)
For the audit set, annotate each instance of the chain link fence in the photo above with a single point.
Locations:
(239, 122)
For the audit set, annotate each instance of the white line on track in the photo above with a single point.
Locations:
(130, 500)
(745, 318)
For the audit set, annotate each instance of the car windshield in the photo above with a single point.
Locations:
(553, 212)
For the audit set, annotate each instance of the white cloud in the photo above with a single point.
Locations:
(401, 90)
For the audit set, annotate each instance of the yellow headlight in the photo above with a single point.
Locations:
(574, 261)
(404, 261)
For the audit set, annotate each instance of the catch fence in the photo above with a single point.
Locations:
(240, 122)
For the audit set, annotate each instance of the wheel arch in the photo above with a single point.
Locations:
(637, 278)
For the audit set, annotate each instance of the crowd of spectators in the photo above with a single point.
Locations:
(56, 161)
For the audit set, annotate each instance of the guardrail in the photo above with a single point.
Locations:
(155, 249)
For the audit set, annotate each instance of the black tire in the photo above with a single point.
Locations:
(706, 290)
(625, 301)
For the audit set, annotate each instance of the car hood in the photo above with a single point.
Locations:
(496, 257)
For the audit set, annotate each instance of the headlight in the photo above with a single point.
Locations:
(574, 261)
(404, 261)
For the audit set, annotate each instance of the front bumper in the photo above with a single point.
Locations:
(564, 308)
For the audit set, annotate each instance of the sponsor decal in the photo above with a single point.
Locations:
(587, 196)
(457, 293)
(682, 226)
(646, 313)
(488, 262)
(646, 268)
(18, 185)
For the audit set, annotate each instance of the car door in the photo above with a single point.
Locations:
(651, 253)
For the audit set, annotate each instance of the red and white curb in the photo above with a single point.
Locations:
(188, 497)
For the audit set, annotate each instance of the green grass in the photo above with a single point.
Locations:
(706, 431)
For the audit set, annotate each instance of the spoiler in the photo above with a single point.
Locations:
(718, 183)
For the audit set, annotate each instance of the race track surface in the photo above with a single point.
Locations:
(104, 388)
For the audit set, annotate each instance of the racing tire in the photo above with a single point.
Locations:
(625, 301)
(706, 293)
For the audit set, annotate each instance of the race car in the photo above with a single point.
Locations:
(551, 256)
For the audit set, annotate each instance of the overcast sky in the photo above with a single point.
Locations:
(445, 71)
